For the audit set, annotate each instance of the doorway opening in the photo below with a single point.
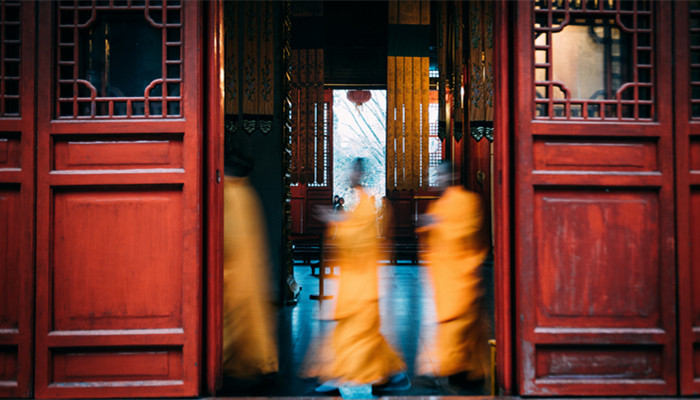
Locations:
(298, 326)
(359, 131)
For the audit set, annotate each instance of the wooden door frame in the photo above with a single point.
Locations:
(503, 202)
(18, 175)
(213, 167)
(685, 131)
(214, 211)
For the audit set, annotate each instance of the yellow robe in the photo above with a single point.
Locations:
(356, 352)
(456, 248)
(249, 338)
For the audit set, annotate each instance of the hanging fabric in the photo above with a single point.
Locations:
(249, 66)
(456, 71)
(408, 94)
(308, 145)
(308, 139)
(450, 45)
(442, 68)
(480, 69)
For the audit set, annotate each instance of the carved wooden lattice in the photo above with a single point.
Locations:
(623, 32)
(83, 86)
(10, 43)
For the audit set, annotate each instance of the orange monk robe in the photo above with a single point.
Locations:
(356, 352)
(456, 249)
(249, 338)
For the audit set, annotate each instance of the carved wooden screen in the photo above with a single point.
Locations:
(118, 246)
(687, 118)
(16, 196)
(307, 197)
(309, 118)
(595, 259)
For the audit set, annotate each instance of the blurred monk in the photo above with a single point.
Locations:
(356, 353)
(456, 248)
(250, 349)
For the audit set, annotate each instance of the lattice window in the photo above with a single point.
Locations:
(594, 60)
(10, 42)
(695, 58)
(119, 59)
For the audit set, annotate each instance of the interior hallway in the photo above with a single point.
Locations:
(406, 310)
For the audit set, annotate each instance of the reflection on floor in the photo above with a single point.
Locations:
(407, 313)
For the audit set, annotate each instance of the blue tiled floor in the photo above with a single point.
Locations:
(406, 310)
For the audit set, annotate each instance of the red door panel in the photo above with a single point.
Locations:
(118, 257)
(595, 257)
(687, 112)
(16, 197)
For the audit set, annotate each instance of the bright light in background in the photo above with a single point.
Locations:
(359, 132)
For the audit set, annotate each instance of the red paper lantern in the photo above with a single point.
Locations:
(359, 97)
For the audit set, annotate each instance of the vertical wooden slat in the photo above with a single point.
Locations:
(425, 128)
(320, 149)
(400, 118)
(409, 129)
(294, 96)
(303, 114)
(416, 126)
(391, 121)
(310, 104)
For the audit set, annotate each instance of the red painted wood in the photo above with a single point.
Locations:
(477, 165)
(402, 224)
(595, 282)
(214, 212)
(687, 136)
(17, 215)
(502, 192)
(119, 241)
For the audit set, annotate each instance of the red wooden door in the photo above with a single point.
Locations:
(595, 258)
(687, 113)
(119, 164)
(16, 196)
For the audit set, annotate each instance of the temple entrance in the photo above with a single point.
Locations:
(359, 130)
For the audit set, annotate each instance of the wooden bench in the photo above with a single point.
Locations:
(323, 269)
(306, 250)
